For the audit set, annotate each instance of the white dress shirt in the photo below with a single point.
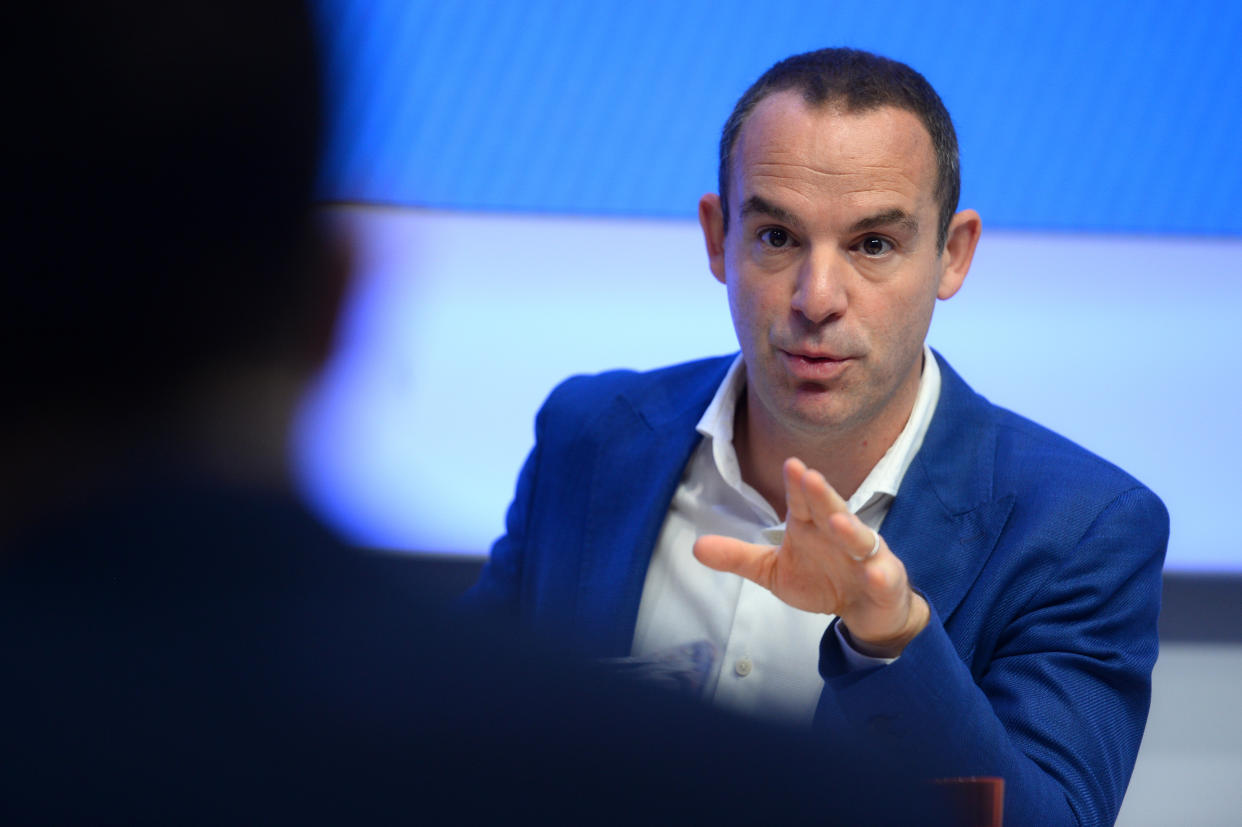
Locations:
(767, 652)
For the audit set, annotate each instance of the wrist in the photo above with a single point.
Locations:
(892, 646)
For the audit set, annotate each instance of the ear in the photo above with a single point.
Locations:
(711, 219)
(959, 249)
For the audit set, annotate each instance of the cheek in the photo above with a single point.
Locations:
(738, 309)
(904, 322)
(750, 308)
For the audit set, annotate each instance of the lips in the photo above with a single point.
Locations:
(814, 366)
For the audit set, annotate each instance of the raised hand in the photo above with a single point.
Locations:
(830, 563)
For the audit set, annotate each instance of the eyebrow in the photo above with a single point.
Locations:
(757, 204)
(887, 218)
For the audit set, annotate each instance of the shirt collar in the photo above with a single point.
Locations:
(717, 425)
(884, 479)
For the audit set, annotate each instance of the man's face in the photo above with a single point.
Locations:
(831, 264)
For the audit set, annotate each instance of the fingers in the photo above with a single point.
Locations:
(754, 562)
(832, 514)
(863, 543)
(821, 498)
(795, 496)
(857, 540)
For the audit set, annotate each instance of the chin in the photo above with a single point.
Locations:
(816, 419)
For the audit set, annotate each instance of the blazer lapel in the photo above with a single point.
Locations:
(945, 520)
(637, 467)
(943, 524)
(943, 551)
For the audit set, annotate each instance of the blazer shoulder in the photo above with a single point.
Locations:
(1031, 456)
(973, 439)
(655, 391)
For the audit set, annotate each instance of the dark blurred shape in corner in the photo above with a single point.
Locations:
(163, 257)
(182, 642)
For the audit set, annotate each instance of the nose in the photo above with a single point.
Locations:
(820, 294)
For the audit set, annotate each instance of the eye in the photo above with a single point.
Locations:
(775, 237)
(875, 245)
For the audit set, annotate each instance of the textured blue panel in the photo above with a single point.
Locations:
(1100, 116)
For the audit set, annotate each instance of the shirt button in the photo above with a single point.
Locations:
(743, 667)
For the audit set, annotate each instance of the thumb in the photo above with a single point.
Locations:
(749, 560)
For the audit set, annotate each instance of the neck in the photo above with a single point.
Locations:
(844, 456)
(229, 426)
(237, 424)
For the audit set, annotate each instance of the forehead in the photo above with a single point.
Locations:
(825, 152)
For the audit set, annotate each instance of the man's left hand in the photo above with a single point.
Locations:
(822, 566)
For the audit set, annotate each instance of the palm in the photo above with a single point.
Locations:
(802, 571)
(817, 567)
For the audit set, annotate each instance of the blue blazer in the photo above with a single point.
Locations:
(1041, 563)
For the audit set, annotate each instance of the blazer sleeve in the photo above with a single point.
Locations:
(1057, 706)
(499, 587)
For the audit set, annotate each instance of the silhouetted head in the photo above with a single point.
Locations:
(162, 160)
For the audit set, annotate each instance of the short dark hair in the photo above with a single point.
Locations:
(859, 81)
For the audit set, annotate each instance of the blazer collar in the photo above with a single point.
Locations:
(946, 518)
(650, 437)
(943, 523)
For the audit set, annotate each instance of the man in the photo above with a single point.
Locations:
(964, 590)
(183, 642)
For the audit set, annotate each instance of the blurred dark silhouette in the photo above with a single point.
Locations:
(167, 289)
(182, 641)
